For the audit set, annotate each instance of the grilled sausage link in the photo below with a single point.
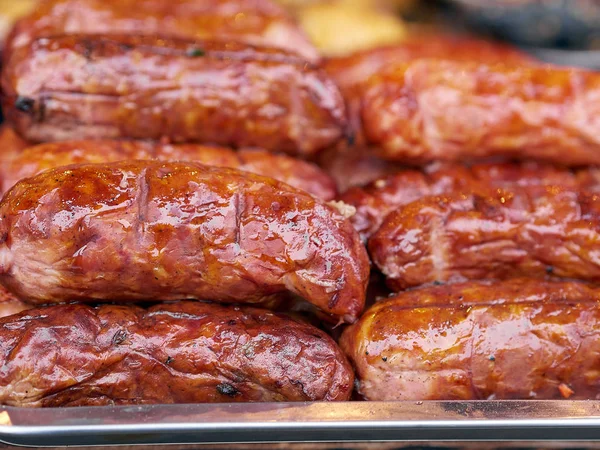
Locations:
(258, 22)
(454, 111)
(353, 72)
(187, 352)
(223, 93)
(147, 230)
(295, 172)
(549, 231)
(376, 200)
(516, 339)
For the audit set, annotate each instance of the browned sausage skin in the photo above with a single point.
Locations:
(353, 72)
(376, 200)
(295, 172)
(258, 22)
(548, 231)
(430, 110)
(186, 352)
(223, 93)
(147, 230)
(515, 339)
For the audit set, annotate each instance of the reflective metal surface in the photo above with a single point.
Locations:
(273, 422)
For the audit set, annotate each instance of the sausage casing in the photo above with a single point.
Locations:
(258, 22)
(295, 172)
(186, 352)
(545, 232)
(147, 230)
(223, 93)
(353, 72)
(376, 200)
(516, 339)
(454, 111)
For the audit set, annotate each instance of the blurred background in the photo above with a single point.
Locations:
(560, 31)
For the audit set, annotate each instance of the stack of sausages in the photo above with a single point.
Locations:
(191, 196)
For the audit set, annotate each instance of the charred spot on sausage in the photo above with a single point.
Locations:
(119, 337)
(227, 389)
(24, 104)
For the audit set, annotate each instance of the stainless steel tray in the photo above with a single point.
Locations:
(292, 422)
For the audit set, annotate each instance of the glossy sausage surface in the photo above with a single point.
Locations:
(516, 339)
(258, 22)
(430, 110)
(144, 87)
(295, 172)
(186, 352)
(353, 72)
(550, 231)
(154, 231)
(376, 200)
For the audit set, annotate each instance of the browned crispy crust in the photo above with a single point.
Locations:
(515, 339)
(444, 110)
(295, 172)
(186, 352)
(148, 230)
(548, 231)
(223, 93)
(376, 200)
(259, 22)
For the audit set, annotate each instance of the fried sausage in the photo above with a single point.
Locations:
(187, 352)
(223, 93)
(258, 22)
(516, 339)
(353, 72)
(549, 231)
(148, 230)
(379, 198)
(455, 111)
(297, 173)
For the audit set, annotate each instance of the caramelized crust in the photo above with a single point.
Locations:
(515, 339)
(297, 173)
(430, 110)
(186, 352)
(535, 232)
(147, 230)
(223, 93)
(379, 198)
(258, 22)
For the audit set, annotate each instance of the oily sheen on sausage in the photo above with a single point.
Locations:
(549, 231)
(155, 231)
(441, 110)
(186, 352)
(146, 87)
(515, 339)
